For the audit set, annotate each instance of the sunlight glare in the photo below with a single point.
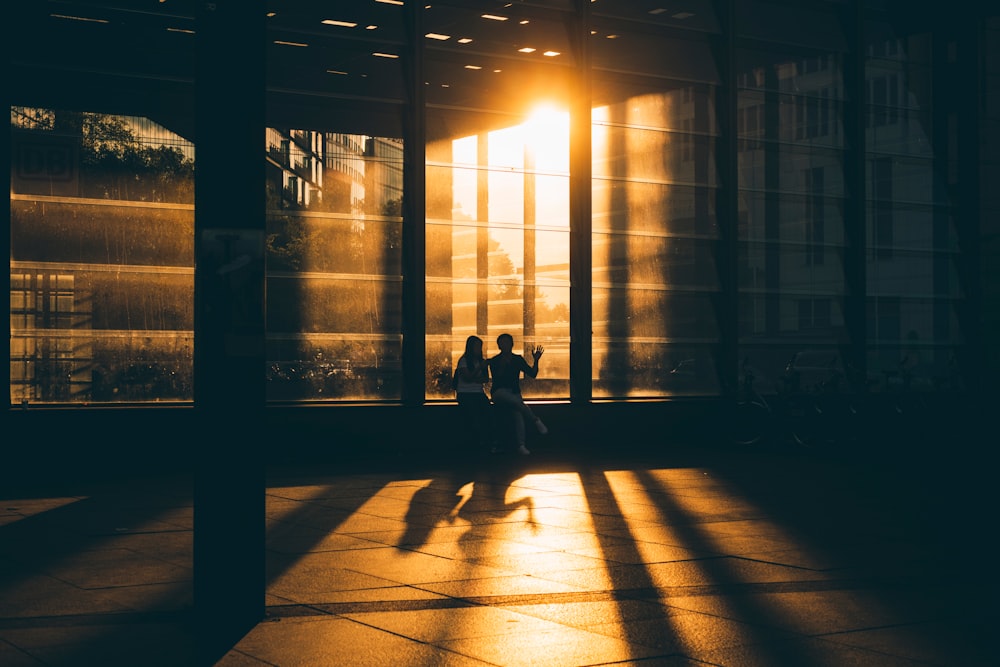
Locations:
(546, 134)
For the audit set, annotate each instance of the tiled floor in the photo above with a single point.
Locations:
(690, 557)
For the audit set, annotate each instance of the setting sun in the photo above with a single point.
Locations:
(546, 134)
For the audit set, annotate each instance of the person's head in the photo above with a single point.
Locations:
(474, 347)
(505, 342)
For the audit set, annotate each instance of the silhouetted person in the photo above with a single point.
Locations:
(471, 376)
(505, 370)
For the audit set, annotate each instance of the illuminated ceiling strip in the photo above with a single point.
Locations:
(79, 18)
(391, 2)
(379, 54)
(437, 35)
(284, 43)
(344, 24)
(494, 17)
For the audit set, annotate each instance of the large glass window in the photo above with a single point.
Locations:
(913, 289)
(102, 258)
(655, 245)
(334, 153)
(497, 189)
(101, 204)
(791, 189)
(333, 265)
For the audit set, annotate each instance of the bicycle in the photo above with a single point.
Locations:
(756, 419)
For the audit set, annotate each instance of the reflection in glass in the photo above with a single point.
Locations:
(102, 259)
(914, 338)
(654, 245)
(334, 265)
(791, 228)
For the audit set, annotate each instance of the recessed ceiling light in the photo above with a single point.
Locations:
(336, 71)
(284, 43)
(190, 32)
(550, 53)
(658, 10)
(344, 24)
(437, 35)
(380, 54)
(371, 27)
(391, 2)
(526, 49)
(464, 40)
(494, 17)
(473, 67)
(612, 36)
(523, 22)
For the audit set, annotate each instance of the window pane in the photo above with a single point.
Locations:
(334, 266)
(334, 152)
(913, 287)
(102, 258)
(655, 237)
(791, 228)
(498, 242)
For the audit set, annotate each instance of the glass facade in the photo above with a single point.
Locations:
(762, 183)
(654, 190)
(792, 144)
(497, 184)
(102, 259)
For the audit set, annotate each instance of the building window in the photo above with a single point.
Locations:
(334, 256)
(102, 259)
(498, 243)
(881, 195)
(815, 210)
(814, 314)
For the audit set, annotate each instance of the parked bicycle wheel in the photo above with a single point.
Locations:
(806, 423)
(750, 423)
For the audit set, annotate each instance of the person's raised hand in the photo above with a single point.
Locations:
(537, 352)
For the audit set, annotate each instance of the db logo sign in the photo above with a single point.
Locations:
(45, 161)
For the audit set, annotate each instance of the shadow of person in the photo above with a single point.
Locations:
(432, 505)
(464, 498)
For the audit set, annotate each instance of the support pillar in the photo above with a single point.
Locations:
(229, 578)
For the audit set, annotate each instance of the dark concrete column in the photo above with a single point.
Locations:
(581, 350)
(414, 213)
(229, 575)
